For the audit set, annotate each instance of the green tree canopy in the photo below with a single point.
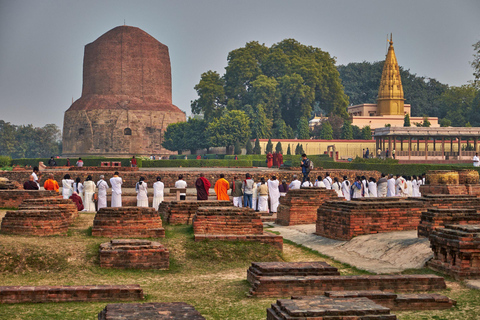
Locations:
(303, 130)
(238, 148)
(257, 149)
(233, 126)
(366, 133)
(289, 152)
(211, 93)
(347, 131)
(269, 147)
(248, 147)
(174, 137)
(278, 147)
(326, 132)
(406, 121)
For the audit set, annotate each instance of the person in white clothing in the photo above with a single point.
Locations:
(337, 187)
(372, 187)
(364, 186)
(116, 183)
(346, 188)
(414, 186)
(327, 181)
(274, 193)
(262, 196)
(180, 183)
(307, 183)
(89, 188)
(158, 188)
(382, 186)
(67, 186)
(409, 189)
(319, 183)
(295, 184)
(78, 188)
(476, 160)
(142, 193)
(391, 186)
(419, 183)
(102, 186)
(255, 196)
(357, 188)
(36, 174)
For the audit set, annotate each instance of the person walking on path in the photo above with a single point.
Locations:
(221, 188)
(203, 187)
(158, 189)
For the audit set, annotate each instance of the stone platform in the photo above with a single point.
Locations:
(13, 198)
(128, 222)
(27, 294)
(182, 212)
(328, 308)
(300, 206)
(66, 206)
(343, 220)
(275, 269)
(445, 201)
(456, 251)
(35, 222)
(151, 311)
(435, 218)
(133, 253)
(232, 224)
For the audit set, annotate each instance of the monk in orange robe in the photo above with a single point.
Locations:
(221, 188)
(269, 160)
(51, 184)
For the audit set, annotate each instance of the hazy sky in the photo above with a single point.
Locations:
(42, 42)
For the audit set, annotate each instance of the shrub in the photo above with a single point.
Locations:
(196, 163)
(5, 161)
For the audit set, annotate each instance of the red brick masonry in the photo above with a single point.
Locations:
(154, 311)
(437, 218)
(456, 251)
(129, 222)
(275, 269)
(20, 294)
(182, 212)
(13, 198)
(66, 206)
(343, 220)
(232, 224)
(35, 222)
(133, 253)
(451, 189)
(300, 206)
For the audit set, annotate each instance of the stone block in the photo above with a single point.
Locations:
(133, 253)
(151, 311)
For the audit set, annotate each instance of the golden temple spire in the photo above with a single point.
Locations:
(390, 94)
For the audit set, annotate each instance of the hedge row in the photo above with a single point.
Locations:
(87, 161)
(195, 163)
(5, 161)
(194, 156)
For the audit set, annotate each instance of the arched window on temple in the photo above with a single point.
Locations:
(127, 131)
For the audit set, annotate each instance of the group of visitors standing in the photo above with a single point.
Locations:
(274, 159)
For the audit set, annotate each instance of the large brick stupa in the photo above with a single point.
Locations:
(126, 103)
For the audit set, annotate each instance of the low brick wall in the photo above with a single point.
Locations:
(328, 308)
(13, 198)
(154, 310)
(129, 222)
(343, 220)
(435, 218)
(182, 212)
(227, 221)
(284, 286)
(444, 201)
(456, 250)
(104, 169)
(66, 206)
(266, 238)
(460, 189)
(393, 301)
(300, 206)
(35, 222)
(275, 269)
(21, 294)
(133, 253)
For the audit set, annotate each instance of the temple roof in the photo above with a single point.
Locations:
(391, 83)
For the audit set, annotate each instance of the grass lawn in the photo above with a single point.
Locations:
(209, 275)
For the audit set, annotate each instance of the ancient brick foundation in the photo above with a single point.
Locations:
(13, 198)
(35, 222)
(128, 222)
(66, 206)
(343, 220)
(70, 293)
(435, 218)
(155, 310)
(460, 189)
(133, 253)
(232, 224)
(456, 251)
(276, 269)
(444, 201)
(105, 169)
(182, 212)
(300, 206)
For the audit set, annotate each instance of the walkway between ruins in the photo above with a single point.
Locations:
(378, 253)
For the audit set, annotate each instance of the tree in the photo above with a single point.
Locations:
(195, 136)
(406, 121)
(347, 131)
(357, 132)
(468, 125)
(269, 146)
(445, 123)
(300, 149)
(238, 148)
(211, 102)
(336, 122)
(278, 147)
(249, 147)
(282, 131)
(232, 127)
(327, 132)
(366, 133)
(261, 126)
(289, 152)
(303, 130)
(257, 149)
(297, 149)
(174, 137)
(426, 123)
(476, 61)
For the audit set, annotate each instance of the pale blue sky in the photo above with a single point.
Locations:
(42, 42)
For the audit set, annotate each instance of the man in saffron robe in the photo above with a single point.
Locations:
(51, 184)
(269, 160)
(221, 188)
(203, 186)
(77, 200)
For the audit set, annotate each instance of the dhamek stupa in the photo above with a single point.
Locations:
(126, 103)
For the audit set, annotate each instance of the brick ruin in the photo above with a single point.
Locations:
(456, 251)
(444, 201)
(66, 206)
(300, 206)
(435, 218)
(133, 253)
(154, 310)
(128, 222)
(35, 222)
(343, 220)
(13, 198)
(29, 294)
(459, 182)
(182, 212)
(232, 224)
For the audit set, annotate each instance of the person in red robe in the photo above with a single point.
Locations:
(280, 159)
(77, 200)
(30, 184)
(275, 159)
(203, 186)
(269, 160)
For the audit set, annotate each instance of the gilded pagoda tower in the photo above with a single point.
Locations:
(390, 94)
